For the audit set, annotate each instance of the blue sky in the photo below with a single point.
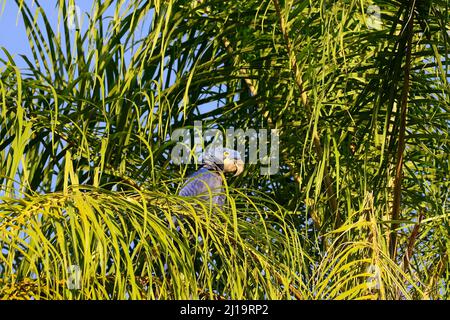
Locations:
(13, 35)
(12, 31)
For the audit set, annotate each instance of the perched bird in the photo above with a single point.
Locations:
(208, 179)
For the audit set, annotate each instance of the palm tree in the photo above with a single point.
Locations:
(358, 90)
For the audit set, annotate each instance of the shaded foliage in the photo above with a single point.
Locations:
(85, 170)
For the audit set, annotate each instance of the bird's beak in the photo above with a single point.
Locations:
(239, 167)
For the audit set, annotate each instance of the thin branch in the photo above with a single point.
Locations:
(401, 138)
(412, 242)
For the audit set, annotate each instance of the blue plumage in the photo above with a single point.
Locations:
(208, 180)
(203, 182)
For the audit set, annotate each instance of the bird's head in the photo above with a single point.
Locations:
(228, 160)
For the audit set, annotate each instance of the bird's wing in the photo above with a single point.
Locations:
(201, 182)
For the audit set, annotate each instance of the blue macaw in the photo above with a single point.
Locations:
(209, 179)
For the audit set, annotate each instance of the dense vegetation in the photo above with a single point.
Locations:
(358, 210)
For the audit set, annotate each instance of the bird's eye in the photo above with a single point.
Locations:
(226, 153)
